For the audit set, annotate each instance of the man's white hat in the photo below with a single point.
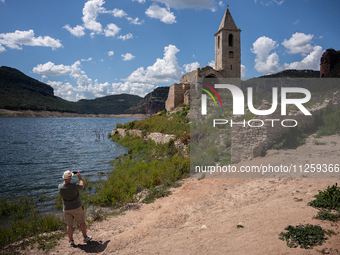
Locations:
(67, 174)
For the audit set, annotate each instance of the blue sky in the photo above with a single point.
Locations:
(93, 48)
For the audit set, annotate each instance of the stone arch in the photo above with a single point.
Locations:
(210, 72)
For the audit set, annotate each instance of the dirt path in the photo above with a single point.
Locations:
(201, 217)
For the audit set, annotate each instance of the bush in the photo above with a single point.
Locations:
(291, 140)
(327, 199)
(306, 236)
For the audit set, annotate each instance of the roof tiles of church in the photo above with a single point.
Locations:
(227, 22)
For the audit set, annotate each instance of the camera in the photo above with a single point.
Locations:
(75, 172)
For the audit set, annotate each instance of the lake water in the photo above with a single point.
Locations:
(34, 152)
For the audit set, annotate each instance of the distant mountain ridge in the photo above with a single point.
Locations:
(292, 73)
(115, 104)
(14, 76)
(21, 92)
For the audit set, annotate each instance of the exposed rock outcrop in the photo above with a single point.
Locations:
(330, 64)
(151, 103)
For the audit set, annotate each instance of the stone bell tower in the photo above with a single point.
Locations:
(228, 47)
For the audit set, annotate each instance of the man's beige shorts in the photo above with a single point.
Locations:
(78, 214)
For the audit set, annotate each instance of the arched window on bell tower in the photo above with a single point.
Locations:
(230, 40)
(218, 42)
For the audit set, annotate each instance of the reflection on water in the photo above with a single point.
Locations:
(34, 152)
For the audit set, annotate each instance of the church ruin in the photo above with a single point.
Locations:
(227, 62)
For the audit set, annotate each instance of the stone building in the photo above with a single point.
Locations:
(227, 62)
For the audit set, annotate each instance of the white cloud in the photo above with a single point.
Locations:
(125, 37)
(128, 56)
(270, 2)
(140, 82)
(2, 48)
(296, 22)
(110, 53)
(139, 1)
(91, 10)
(89, 59)
(85, 88)
(181, 4)
(212, 63)
(77, 31)
(18, 38)
(243, 71)
(135, 21)
(163, 70)
(163, 14)
(265, 63)
(111, 30)
(3, 1)
(191, 67)
(90, 13)
(220, 3)
(135, 88)
(118, 13)
(50, 68)
(299, 43)
(278, 2)
(311, 61)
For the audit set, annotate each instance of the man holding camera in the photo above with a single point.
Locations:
(72, 205)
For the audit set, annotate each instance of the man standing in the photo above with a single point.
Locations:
(72, 205)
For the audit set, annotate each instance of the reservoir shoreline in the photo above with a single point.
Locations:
(29, 113)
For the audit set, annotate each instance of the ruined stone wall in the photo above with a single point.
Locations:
(176, 95)
(186, 78)
(187, 97)
(248, 142)
(170, 102)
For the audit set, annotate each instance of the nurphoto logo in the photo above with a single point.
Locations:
(238, 99)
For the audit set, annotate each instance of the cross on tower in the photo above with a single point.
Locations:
(227, 5)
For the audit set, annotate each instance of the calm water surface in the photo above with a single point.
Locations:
(34, 152)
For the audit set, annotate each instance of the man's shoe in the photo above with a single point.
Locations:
(71, 243)
(87, 238)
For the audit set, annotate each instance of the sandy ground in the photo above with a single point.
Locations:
(29, 113)
(201, 217)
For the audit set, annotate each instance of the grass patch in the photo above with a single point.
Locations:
(146, 166)
(22, 226)
(202, 177)
(305, 236)
(154, 193)
(177, 124)
(329, 124)
(316, 142)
